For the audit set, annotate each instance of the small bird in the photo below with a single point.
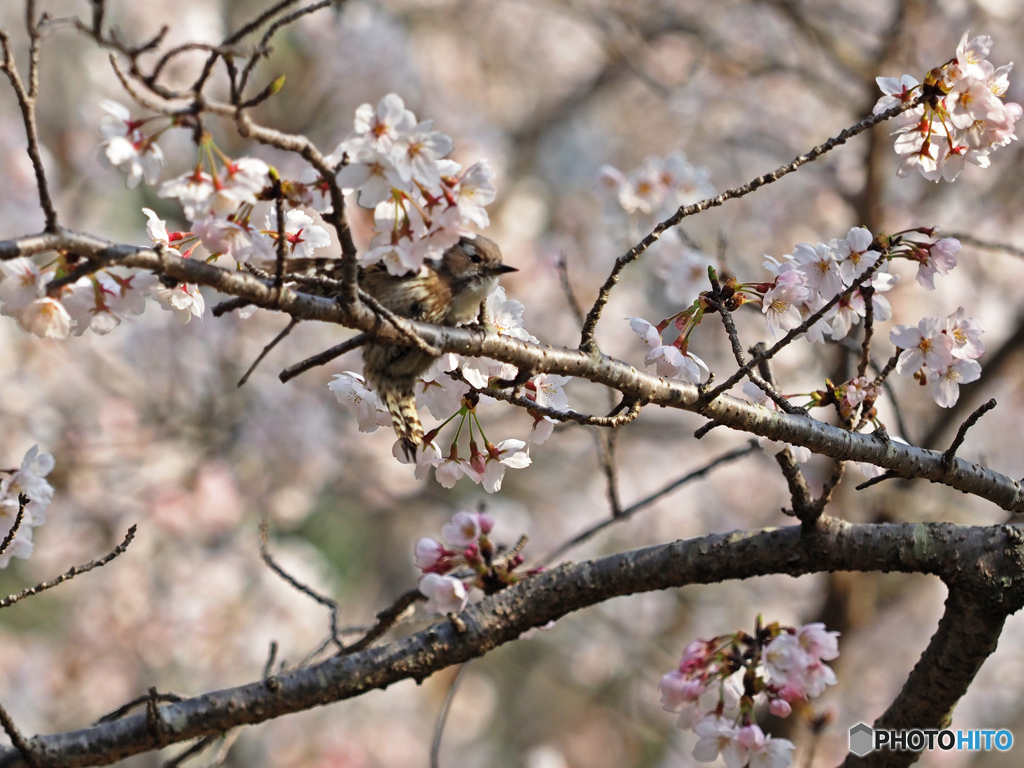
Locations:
(447, 293)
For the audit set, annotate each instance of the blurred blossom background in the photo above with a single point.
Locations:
(148, 426)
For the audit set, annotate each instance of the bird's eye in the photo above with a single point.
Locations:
(475, 258)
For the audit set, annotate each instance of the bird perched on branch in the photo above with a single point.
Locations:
(447, 293)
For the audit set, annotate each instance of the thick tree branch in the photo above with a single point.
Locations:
(904, 460)
(984, 563)
(966, 636)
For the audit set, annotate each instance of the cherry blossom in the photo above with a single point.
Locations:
(794, 661)
(465, 528)
(431, 555)
(21, 285)
(781, 303)
(668, 359)
(548, 392)
(474, 561)
(897, 91)
(718, 735)
(445, 594)
(185, 301)
(925, 344)
(302, 236)
(966, 335)
(47, 318)
(126, 148)
(941, 353)
(508, 454)
(351, 390)
(28, 479)
(946, 380)
(683, 269)
(937, 258)
(472, 191)
(378, 128)
(658, 186)
(372, 174)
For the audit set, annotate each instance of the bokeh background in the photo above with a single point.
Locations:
(148, 426)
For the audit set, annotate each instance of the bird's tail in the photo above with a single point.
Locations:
(401, 404)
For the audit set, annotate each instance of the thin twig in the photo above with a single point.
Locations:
(796, 481)
(19, 742)
(227, 742)
(228, 305)
(193, 750)
(838, 469)
(589, 326)
(303, 588)
(606, 456)
(647, 501)
(385, 620)
(887, 475)
(23, 501)
(322, 358)
(124, 709)
(268, 668)
(570, 296)
(264, 45)
(799, 490)
(70, 573)
(1013, 250)
(273, 343)
(27, 105)
(633, 407)
(762, 382)
(961, 433)
(442, 717)
(869, 327)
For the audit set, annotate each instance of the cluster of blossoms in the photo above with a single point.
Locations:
(445, 391)
(942, 354)
(126, 147)
(851, 268)
(472, 561)
(962, 117)
(217, 197)
(673, 359)
(813, 275)
(658, 187)
(857, 393)
(99, 302)
(719, 682)
(396, 166)
(653, 192)
(421, 200)
(28, 480)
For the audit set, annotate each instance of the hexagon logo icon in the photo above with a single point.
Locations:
(862, 739)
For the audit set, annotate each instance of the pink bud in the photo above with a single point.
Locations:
(780, 708)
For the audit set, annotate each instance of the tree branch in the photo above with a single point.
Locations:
(640, 387)
(966, 636)
(984, 562)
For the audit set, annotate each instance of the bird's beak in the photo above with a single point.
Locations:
(502, 269)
